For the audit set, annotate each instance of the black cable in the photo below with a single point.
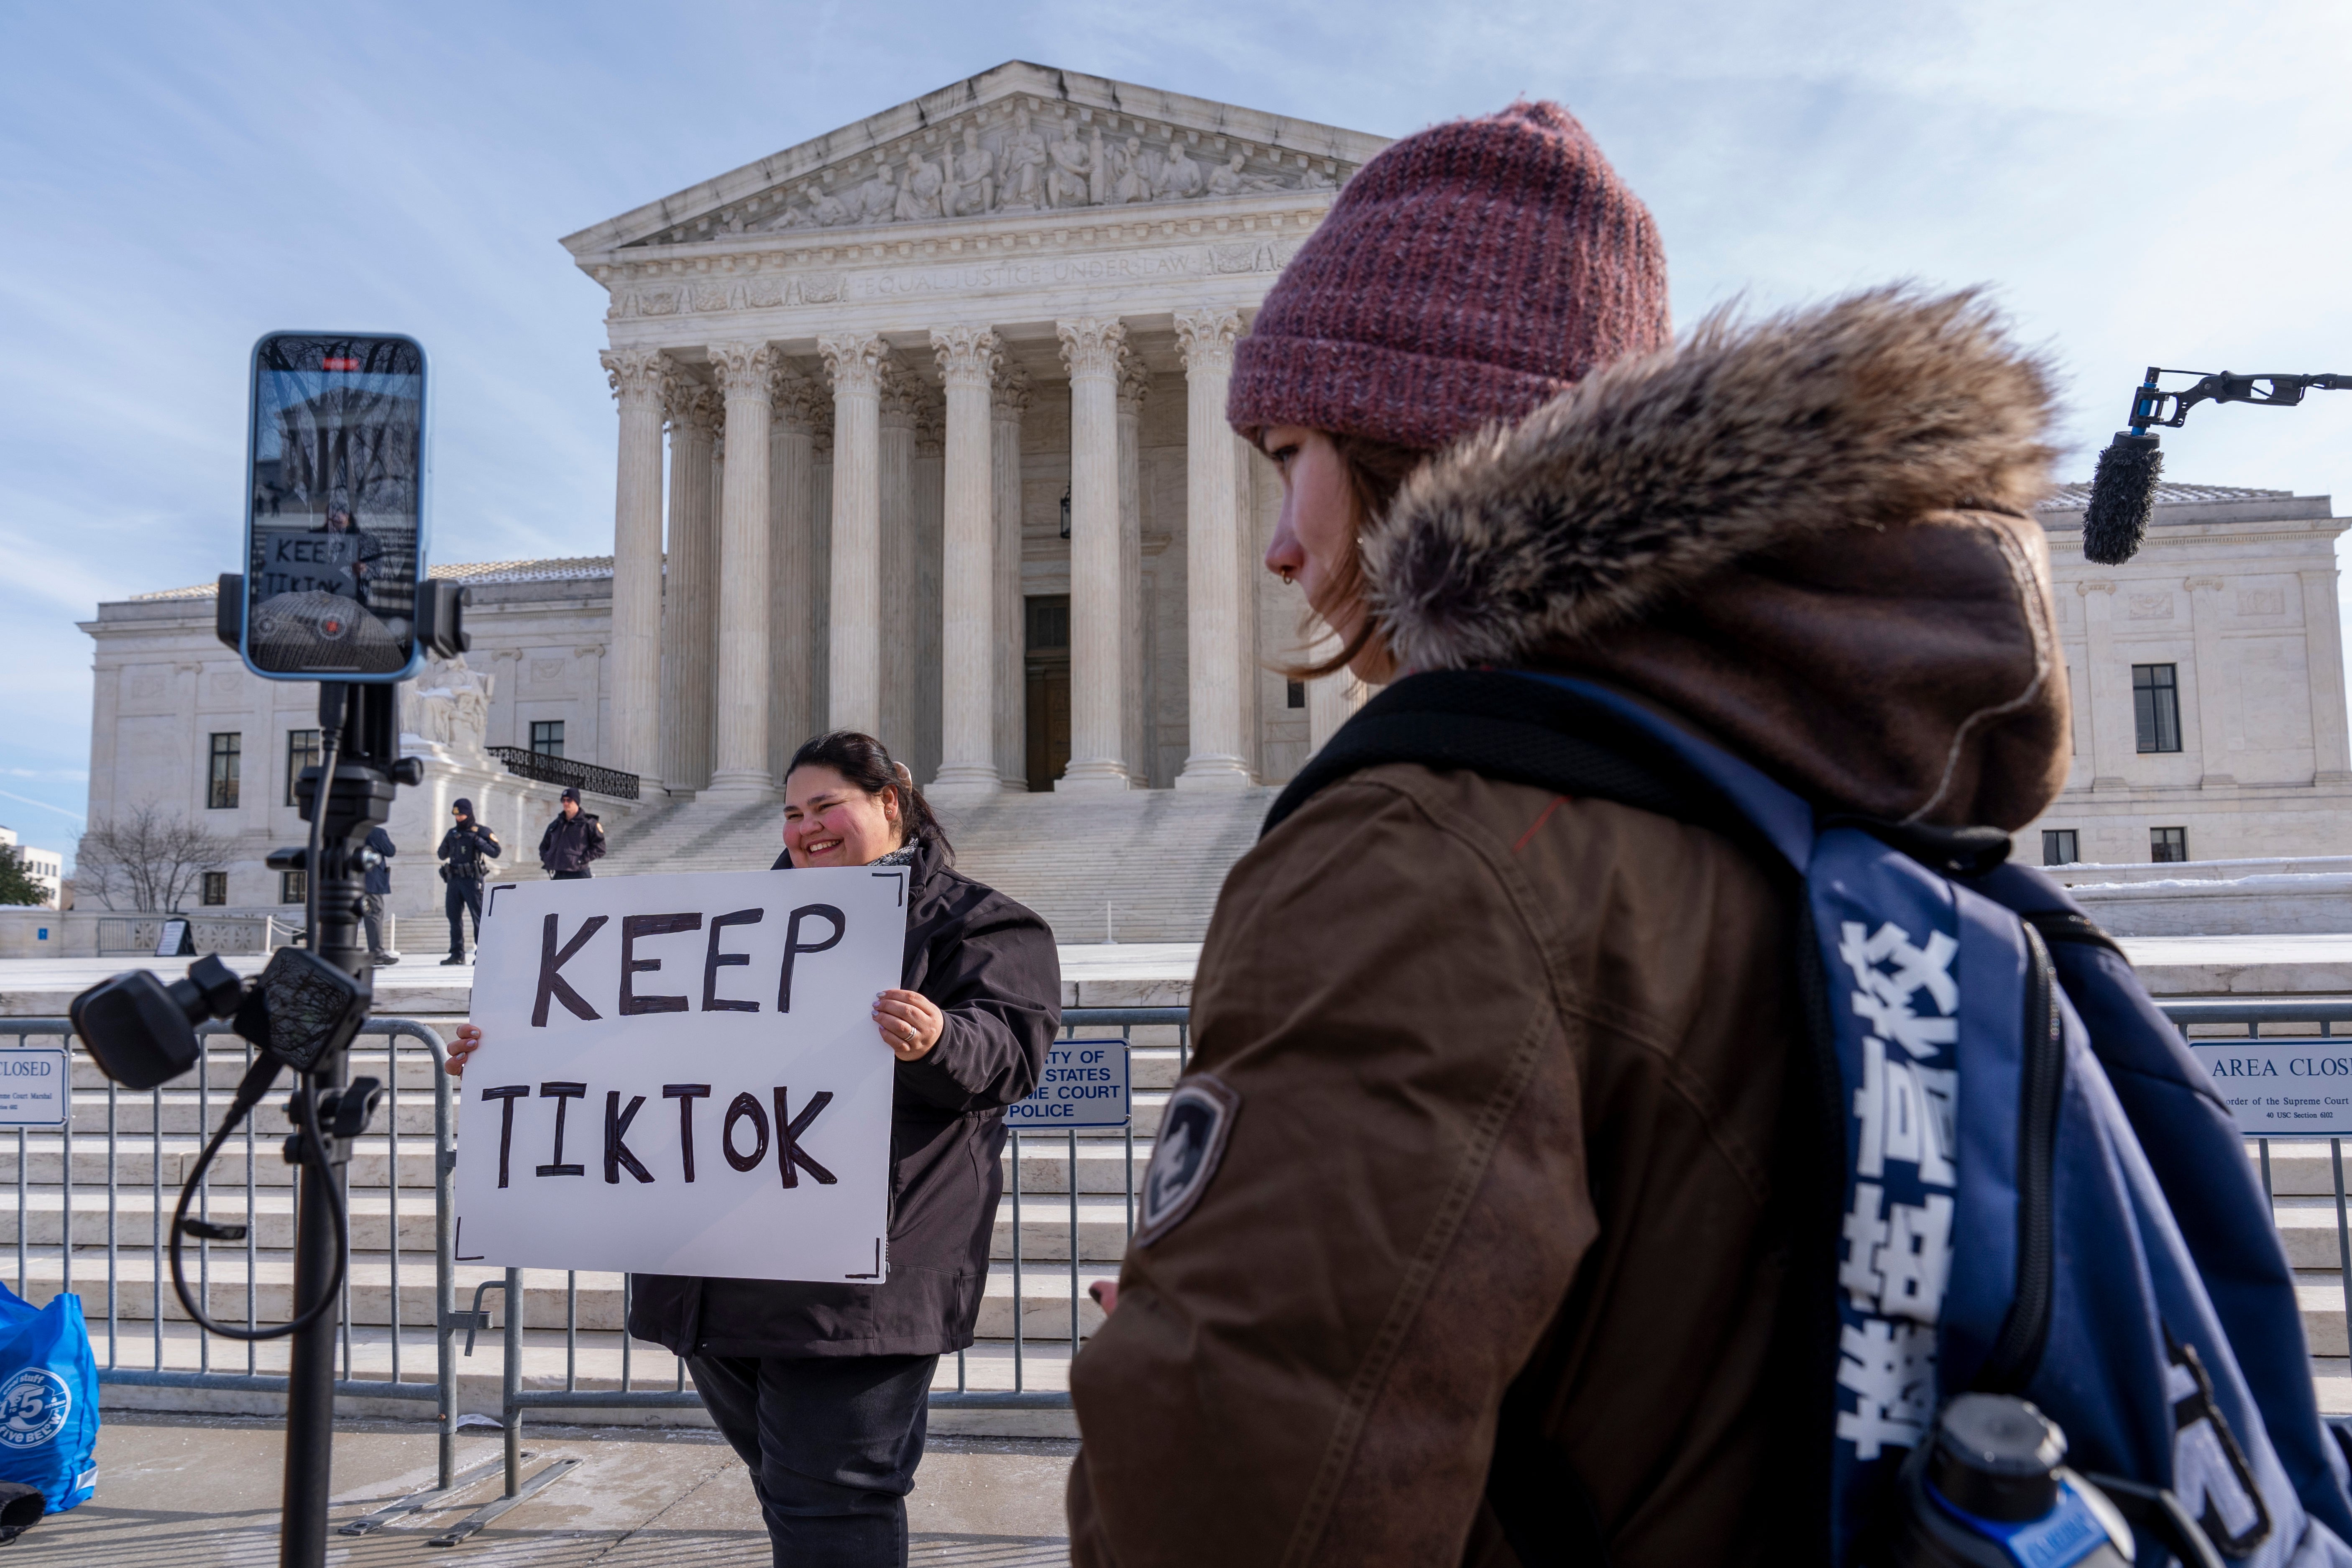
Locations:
(264, 1073)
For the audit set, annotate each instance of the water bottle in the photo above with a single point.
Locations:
(1989, 1489)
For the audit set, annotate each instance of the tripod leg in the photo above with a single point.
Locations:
(311, 1385)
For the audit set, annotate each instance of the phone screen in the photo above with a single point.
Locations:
(334, 529)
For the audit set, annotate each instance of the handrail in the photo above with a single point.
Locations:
(564, 770)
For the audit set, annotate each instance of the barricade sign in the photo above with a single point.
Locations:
(35, 1086)
(2281, 1088)
(1084, 1085)
(682, 1075)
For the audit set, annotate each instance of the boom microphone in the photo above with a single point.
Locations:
(2123, 490)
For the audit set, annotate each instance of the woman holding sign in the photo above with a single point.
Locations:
(822, 1388)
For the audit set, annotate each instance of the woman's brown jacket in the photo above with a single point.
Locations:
(1502, 1072)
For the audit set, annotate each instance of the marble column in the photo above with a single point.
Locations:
(821, 570)
(2213, 706)
(924, 609)
(794, 712)
(900, 395)
(688, 615)
(1332, 701)
(1213, 540)
(1134, 383)
(589, 659)
(1093, 350)
(2323, 646)
(968, 356)
(2106, 688)
(1008, 400)
(632, 745)
(739, 713)
(853, 662)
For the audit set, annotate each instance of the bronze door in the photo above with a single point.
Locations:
(1047, 663)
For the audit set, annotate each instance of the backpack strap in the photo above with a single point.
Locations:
(1507, 726)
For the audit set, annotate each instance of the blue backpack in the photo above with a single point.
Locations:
(1991, 1071)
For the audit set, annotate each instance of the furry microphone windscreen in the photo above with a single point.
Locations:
(2123, 493)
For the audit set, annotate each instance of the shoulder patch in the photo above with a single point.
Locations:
(1193, 1133)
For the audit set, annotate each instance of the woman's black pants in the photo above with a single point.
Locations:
(832, 1443)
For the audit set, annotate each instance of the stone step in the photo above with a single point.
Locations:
(137, 1116)
(144, 1162)
(141, 1291)
(222, 1068)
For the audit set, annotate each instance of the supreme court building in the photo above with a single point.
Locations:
(921, 431)
(933, 408)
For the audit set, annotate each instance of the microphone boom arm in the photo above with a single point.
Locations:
(2269, 391)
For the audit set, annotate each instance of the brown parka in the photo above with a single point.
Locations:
(1502, 1072)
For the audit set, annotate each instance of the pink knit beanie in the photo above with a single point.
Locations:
(1470, 272)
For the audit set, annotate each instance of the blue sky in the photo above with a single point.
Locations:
(2159, 182)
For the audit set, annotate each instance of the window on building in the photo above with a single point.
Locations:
(220, 794)
(2166, 845)
(2061, 847)
(301, 751)
(216, 888)
(2155, 706)
(547, 737)
(292, 888)
(1294, 694)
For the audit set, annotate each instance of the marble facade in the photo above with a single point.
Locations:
(2235, 595)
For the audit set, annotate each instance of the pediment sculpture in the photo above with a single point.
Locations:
(1008, 159)
(446, 705)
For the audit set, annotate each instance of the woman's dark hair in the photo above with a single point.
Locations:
(1377, 470)
(866, 763)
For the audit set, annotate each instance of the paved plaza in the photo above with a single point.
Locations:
(197, 1491)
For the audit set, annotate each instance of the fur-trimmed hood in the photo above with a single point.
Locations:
(1812, 536)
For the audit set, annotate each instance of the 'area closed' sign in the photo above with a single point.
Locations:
(2281, 1088)
(682, 1075)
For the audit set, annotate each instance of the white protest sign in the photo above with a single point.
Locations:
(1084, 1085)
(36, 1088)
(682, 1075)
(2281, 1088)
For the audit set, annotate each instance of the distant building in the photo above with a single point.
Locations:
(2207, 681)
(46, 867)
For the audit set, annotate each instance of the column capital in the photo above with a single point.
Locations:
(854, 360)
(2206, 581)
(1207, 337)
(930, 416)
(2095, 585)
(968, 355)
(901, 392)
(590, 650)
(635, 374)
(1008, 394)
(691, 407)
(1092, 347)
(801, 404)
(742, 369)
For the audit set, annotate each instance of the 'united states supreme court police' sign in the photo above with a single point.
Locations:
(682, 1075)
(1084, 1084)
(2281, 1088)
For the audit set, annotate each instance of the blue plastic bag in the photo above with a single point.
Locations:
(48, 1400)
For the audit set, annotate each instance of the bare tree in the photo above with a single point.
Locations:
(147, 860)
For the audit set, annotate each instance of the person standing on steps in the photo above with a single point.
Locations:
(573, 839)
(379, 888)
(824, 1389)
(466, 853)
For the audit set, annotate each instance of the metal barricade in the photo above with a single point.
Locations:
(2250, 1016)
(65, 1244)
(678, 1394)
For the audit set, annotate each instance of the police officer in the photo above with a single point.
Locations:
(466, 852)
(379, 888)
(571, 841)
